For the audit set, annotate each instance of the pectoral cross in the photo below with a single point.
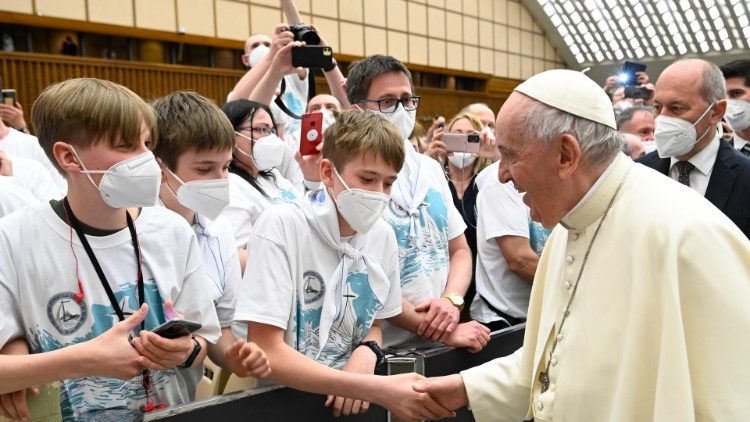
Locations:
(544, 380)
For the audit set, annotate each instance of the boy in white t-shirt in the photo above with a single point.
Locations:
(434, 258)
(70, 269)
(322, 273)
(195, 147)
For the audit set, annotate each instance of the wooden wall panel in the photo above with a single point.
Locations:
(30, 73)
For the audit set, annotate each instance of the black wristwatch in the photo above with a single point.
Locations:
(373, 345)
(331, 67)
(194, 354)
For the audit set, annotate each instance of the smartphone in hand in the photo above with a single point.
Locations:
(311, 134)
(461, 142)
(312, 57)
(177, 328)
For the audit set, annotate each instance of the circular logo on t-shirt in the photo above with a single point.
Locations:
(65, 314)
(312, 135)
(314, 287)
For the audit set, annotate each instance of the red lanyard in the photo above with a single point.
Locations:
(73, 222)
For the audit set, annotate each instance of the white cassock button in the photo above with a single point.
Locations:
(553, 362)
(576, 236)
(559, 337)
(539, 406)
(571, 259)
(568, 285)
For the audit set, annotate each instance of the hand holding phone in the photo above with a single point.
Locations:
(9, 97)
(312, 57)
(177, 328)
(311, 133)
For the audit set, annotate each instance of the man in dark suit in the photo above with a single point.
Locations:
(690, 100)
(737, 75)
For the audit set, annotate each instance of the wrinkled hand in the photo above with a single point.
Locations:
(164, 353)
(437, 147)
(449, 391)
(362, 361)
(13, 116)
(406, 403)
(310, 164)
(6, 165)
(440, 318)
(247, 359)
(471, 335)
(111, 354)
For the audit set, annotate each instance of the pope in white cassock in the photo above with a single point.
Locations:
(639, 307)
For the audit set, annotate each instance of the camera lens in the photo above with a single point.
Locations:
(309, 36)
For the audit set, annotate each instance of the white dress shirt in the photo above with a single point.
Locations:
(739, 143)
(704, 165)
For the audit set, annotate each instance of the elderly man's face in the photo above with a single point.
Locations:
(678, 94)
(485, 115)
(528, 163)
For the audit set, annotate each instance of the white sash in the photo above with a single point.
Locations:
(322, 216)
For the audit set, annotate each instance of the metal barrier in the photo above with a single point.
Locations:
(284, 404)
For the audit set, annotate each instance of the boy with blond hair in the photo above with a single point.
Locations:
(327, 274)
(70, 269)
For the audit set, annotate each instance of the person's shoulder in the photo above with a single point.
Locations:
(651, 159)
(282, 214)
(487, 175)
(162, 222)
(14, 224)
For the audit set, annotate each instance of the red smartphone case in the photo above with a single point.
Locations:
(311, 133)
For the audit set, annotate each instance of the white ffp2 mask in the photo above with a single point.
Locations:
(403, 120)
(738, 114)
(206, 197)
(360, 208)
(133, 182)
(676, 137)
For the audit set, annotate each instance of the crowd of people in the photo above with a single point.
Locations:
(120, 216)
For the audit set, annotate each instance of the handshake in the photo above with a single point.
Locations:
(413, 397)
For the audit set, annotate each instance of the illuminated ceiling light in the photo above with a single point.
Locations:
(690, 15)
(728, 44)
(556, 20)
(704, 47)
(700, 37)
(579, 58)
(650, 31)
(645, 22)
(660, 51)
(639, 10)
(549, 9)
(619, 55)
(599, 56)
(629, 33)
(743, 21)
(714, 12)
(682, 49)
(568, 6)
(639, 53)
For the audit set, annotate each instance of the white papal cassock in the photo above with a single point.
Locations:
(659, 329)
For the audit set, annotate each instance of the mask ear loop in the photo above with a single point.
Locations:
(78, 297)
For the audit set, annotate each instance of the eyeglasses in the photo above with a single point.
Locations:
(389, 105)
(260, 131)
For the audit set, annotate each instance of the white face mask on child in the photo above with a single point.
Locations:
(360, 208)
(206, 197)
(133, 182)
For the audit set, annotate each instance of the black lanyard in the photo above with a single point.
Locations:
(112, 299)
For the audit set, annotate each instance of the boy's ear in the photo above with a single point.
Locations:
(326, 172)
(65, 158)
(163, 173)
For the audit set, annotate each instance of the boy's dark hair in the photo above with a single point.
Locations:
(737, 68)
(363, 72)
(189, 121)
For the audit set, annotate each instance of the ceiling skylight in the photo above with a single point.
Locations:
(611, 30)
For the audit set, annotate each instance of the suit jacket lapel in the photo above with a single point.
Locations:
(722, 177)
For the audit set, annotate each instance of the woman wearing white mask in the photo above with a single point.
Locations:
(255, 181)
(195, 148)
(461, 170)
